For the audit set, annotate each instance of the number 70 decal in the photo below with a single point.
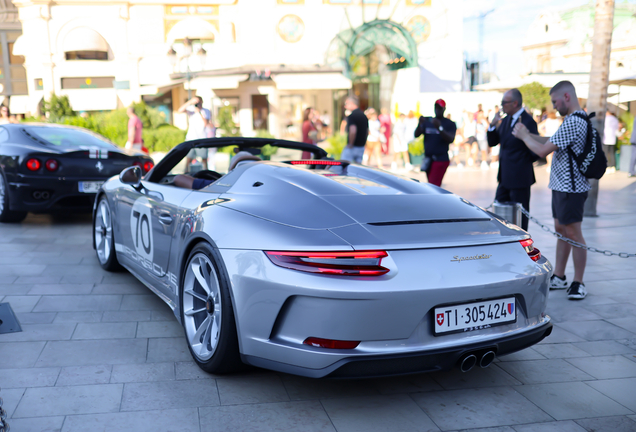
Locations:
(141, 228)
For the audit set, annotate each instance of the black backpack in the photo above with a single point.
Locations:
(592, 161)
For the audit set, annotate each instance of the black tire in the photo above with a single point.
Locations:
(6, 214)
(104, 238)
(211, 330)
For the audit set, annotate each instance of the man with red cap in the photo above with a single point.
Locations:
(438, 133)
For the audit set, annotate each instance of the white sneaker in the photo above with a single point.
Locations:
(408, 166)
(460, 165)
(556, 283)
(393, 166)
(611, 170)
(494, 165)
(484, 165)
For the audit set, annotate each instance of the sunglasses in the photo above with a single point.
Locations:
(505, 102)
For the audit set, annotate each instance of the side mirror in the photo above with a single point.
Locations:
(131, 176)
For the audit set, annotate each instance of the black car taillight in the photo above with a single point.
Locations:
(144, 165)
(533, 252)
(52, 165)
(33, 164)
(358, 263)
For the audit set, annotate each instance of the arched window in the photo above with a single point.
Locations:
(84, 43)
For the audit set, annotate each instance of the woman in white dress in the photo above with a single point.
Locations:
(374, 140)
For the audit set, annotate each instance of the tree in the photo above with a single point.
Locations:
(599, 80)
(226, 122)
(58, 107)
(535, 96)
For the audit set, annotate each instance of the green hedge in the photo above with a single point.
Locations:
(163, 139)
(113, 125)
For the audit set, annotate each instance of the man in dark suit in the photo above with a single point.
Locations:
(516, 174)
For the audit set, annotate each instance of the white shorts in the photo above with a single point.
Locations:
(399, 146)
(483, 144)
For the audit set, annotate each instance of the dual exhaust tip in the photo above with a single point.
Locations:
(470, 360)
(41, 195)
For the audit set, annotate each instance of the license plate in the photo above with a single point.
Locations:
(90, 187)
(474, 316)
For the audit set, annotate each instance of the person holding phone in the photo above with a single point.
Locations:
(198, 122)
(516, 173)
(438, 133)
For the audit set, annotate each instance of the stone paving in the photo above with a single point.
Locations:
(100, 352)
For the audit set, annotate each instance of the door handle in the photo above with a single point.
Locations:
(165, 218)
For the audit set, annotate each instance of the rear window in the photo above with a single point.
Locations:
(68, 138)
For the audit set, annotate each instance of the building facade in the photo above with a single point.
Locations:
(562, 41)
(13, 82)
(267, 59)
(560, 44)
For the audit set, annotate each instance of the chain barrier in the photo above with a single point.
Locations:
(570, 241)
(4, 426)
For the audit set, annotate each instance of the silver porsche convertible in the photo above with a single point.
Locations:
(319, 267)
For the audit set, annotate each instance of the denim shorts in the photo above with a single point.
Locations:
(353, 154)
(198, 152)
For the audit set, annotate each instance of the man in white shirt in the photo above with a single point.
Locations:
(198, 123)
(610, 132)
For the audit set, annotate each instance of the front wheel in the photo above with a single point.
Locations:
(6, 215)
(207, 314)
(103, 236)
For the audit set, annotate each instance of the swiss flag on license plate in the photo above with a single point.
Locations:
(440, 318)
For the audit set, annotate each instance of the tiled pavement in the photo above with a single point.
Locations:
(100, 352)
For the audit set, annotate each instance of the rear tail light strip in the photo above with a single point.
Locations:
(533, 253)
(320, 162)
(357, 263)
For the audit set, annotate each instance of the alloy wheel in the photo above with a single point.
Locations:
(202, 307)
(103, 232)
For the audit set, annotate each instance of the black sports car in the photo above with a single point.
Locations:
(50, 167)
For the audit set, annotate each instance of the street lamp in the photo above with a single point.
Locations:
(174, 58)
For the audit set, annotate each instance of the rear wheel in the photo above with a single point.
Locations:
(103, 237)
(207, 314)
(6, 215)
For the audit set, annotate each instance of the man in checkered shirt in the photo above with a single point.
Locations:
(568, 197)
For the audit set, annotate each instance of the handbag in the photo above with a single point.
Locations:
(426, 164)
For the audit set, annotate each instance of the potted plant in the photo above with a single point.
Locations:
(416, 151)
